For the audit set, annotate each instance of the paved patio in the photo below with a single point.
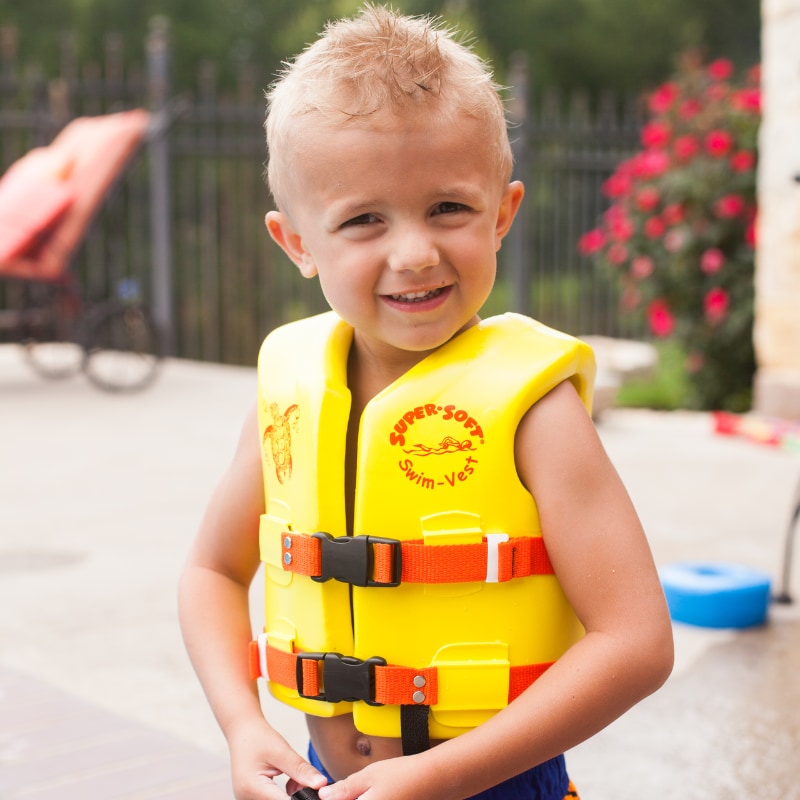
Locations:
(99, 499)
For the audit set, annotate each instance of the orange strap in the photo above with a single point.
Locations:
(394, 685)
(454, 563)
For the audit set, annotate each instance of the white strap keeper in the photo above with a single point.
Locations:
(262, 655)
(493, 541)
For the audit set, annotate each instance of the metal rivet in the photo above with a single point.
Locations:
(287, 558)
(419, 681)
(418, 697)
(287, 542)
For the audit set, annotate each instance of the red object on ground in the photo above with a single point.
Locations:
(763, 430)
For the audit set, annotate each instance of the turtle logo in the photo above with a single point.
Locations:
(280, 435)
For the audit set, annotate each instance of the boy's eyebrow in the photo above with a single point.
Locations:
(458, 192)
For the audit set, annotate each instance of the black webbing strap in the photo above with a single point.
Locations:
(414, 729)
(306, 793)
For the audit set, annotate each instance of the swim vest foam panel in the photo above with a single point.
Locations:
(435, 463)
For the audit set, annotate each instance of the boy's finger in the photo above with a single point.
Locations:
(304, 774)
(347, 789)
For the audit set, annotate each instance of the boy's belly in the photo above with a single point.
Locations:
(343, 750)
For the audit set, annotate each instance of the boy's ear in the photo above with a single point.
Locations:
(289, 240)
(509, 205)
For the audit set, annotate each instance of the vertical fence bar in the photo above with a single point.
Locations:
(208, 232)
(517, 250)
(160, 231)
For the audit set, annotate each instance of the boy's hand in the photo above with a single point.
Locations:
(393, 779)
(258, 755)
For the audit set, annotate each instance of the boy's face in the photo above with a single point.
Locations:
(401, 219)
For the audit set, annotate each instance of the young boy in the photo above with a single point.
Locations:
(457, 587)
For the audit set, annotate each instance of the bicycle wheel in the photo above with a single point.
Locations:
(49, 331)
(122, 348)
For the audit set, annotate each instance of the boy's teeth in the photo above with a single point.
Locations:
(412, 296)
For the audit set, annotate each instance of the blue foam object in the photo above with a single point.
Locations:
(716, 595)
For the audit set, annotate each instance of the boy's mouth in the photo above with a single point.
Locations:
(417, 297)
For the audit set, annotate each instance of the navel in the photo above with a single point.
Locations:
(364, 746)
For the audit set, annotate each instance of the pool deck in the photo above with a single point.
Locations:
(99, 499)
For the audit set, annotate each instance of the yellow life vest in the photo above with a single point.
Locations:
(444, 595)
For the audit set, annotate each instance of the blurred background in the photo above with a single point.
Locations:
(580, 75)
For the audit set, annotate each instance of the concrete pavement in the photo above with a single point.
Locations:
(99, 499)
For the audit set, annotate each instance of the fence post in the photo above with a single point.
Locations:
(158, 82)
(518, 253)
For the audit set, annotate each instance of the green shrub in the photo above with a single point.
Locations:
(679, 231)
(669, 387)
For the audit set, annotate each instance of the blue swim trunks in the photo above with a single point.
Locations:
(547, 781)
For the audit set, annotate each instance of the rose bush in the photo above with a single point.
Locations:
(679, 232)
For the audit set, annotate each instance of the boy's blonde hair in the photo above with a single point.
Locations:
(380, 60)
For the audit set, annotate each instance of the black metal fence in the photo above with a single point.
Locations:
(188, 219)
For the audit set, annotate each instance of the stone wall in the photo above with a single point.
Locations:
(777, 324)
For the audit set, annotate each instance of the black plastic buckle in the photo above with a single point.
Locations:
(350, 559)
(343, 677)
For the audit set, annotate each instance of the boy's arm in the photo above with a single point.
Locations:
(599, 552)
(215, 621)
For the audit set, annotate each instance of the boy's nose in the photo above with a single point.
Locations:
(414, 251)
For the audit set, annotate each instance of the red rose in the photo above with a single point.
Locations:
(660, 318)
(748, 100)
(686, 147)
(662, 98)
(650, 164)
(720, 70)
(647, 198)
(716, 304)
(673, 214)
(743, 161)
(617, 254)
(642, 267)
(729, 206)
(712, 260)
(655, 135)
(620, 227)
(654, 227)
(718, 143)
(675, 239)
(750, 233)
(591, 242)
(619, 184)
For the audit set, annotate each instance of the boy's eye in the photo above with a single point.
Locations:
(361, 219)
(449, 208)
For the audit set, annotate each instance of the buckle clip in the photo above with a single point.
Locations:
(343, 677)
(351, 559)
